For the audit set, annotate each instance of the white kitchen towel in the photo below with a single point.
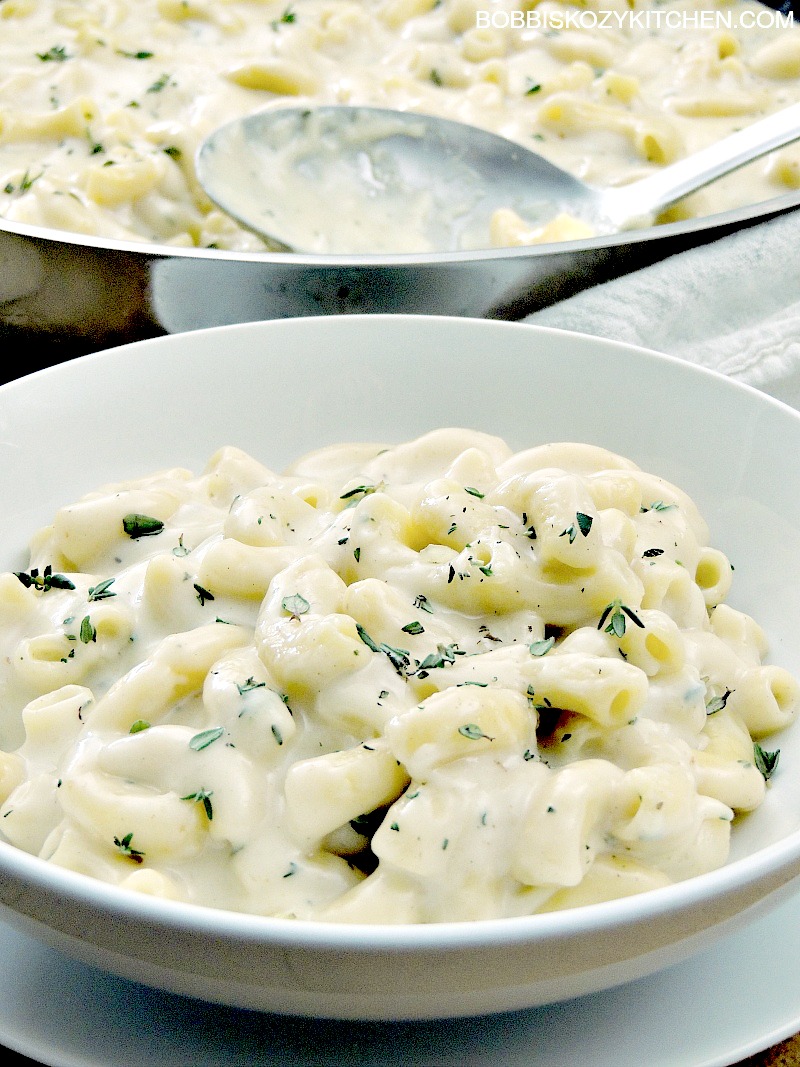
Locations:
(732, 304)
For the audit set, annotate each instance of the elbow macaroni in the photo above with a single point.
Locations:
(103, 106)
(428, 682)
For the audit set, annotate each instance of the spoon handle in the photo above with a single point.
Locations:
(658, 190)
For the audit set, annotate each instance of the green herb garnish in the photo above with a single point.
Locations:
(295, 604)
(202, 796)
(717, 703)
(658, 505)
(160, 84)
(124, 845)
(359, 490)
(206, 738)
(766, 762)
(56, 54)
(249, 685)
(443, 655)
(202, 594)
(472, 731)
(541, 648)
(101, 591)
(136, 525)
(45, 581)
(617, 612)
(286, 18)
(583, 523)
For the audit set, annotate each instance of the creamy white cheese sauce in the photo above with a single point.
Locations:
(426, 682)
(103, 103)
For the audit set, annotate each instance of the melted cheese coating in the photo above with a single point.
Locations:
(426, 682)
(104, 103)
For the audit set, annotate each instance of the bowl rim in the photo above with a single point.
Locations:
(115, 901)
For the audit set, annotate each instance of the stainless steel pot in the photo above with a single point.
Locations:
(64, 294)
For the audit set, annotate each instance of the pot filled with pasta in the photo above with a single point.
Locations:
(106, 234)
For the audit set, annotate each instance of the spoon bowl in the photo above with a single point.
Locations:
(339, 180)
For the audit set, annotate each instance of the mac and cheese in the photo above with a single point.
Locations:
(397, 684)
(104, 103)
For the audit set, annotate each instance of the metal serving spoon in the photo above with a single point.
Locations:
(358, 180)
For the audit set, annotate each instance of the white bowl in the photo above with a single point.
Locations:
(280, 388)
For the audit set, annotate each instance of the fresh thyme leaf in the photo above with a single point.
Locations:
(45, 581)
(101, 591)
(362, 633)
(124, 846)
(474, 492)
(249, 685)
(202, 594)
(472, 731)
(359, 490)
(25, 183)
(617, 626)
(295, 604)
(766, 762)
(443, 655)
(160, 84)
(56, 54)
(633, 616)
(202, 796)
(659, 505)
(422, 604)
(206, 738)
(584, 522)
(136, 525)
(138, 726)
(87, 632)
(287, 17)
(717, 703)
(398, 657)
(541, 648)
(413, 628)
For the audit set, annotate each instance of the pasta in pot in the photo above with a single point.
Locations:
(428, 682)
(104, 103)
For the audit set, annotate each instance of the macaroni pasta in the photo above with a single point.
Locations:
(103, 103)
(418, 683)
